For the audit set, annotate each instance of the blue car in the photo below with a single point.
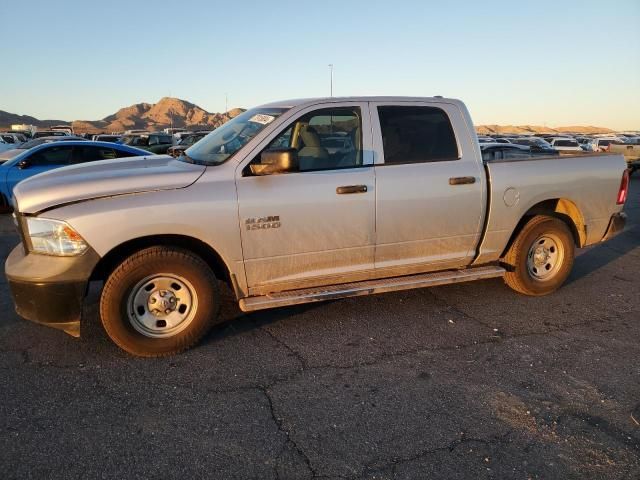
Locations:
(48, 156)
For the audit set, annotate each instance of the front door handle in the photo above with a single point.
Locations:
(351, 189)
(462, 180)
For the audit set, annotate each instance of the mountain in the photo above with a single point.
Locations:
(144, 116)
(156, 116)
(7, 119)
(180, 113)
(531, 129)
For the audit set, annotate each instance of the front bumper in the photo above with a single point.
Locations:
(616, 225)
(50, 290)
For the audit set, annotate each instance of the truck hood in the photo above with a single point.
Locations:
(104, 178)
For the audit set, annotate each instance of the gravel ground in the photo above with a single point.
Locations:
(464, 381)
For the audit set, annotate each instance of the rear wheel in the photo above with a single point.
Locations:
(159, 301)
(541, 257)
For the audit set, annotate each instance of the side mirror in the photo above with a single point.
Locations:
(24, 164)
(276, 161)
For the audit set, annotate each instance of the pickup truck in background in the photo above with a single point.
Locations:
(631, 154)
(263, 204)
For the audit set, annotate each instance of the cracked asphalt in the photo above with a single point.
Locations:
(456, 382)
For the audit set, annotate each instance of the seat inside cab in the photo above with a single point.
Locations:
(325, 139)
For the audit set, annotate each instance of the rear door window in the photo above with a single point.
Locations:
(124, 153)
(91, 153)
(413, 134)
(51, 156)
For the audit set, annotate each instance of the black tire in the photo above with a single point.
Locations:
(526, 276)
(118, 317)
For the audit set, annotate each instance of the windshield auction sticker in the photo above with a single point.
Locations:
(262, 119)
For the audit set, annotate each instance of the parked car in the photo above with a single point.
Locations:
(585, 143)
(503, 151)
(17, 150)
(537, 145)
(11, 137)
(563, 144)
(600, 144)
(68, 129)
(25, 134)
(107, 138)
(179, 136)
(152, 142)
(52, 155)
(50, 133)
(407, 208)
(9, 141)
(186, 142)
(337, 145)
(4, 145)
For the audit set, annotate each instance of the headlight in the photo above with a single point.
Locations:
(53, 237)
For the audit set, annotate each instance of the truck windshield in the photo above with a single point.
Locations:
(227, 139)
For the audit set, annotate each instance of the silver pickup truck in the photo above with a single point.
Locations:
(301, 201)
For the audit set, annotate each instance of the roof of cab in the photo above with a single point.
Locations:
(311, 101)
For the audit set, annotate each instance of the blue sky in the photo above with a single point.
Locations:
(544, 62)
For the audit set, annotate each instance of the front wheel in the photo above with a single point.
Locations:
(541, 257)
(159, 301)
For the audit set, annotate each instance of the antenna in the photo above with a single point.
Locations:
(171, 116)
(331, 79)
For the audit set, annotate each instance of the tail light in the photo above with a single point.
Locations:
(624, 188)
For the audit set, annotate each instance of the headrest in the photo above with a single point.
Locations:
(309, 136)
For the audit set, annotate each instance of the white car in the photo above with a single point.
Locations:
(566, 145)
(600, 144)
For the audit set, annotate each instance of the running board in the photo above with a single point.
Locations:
(368, 287)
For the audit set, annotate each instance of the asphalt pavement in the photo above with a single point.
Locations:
(459, 382)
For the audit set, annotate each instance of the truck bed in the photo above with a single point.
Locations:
(583, 186)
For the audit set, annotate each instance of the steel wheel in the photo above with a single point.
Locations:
(545, 257)
(162, 305)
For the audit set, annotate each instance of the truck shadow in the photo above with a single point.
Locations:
(599, 256)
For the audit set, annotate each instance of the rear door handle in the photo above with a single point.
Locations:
(462, 180)
(351, 189)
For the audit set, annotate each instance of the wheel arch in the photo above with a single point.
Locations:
(116, 255)
(562, 208)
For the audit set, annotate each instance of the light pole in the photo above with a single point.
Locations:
(331, 79)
